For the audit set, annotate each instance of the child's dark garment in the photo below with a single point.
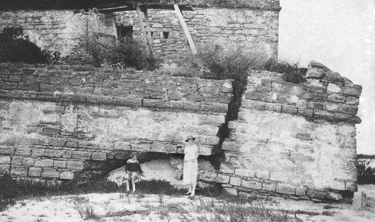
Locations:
(133, 166)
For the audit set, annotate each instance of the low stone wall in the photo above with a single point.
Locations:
(59, 120)
(294, 140)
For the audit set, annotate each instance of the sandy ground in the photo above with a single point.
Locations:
(140, 207)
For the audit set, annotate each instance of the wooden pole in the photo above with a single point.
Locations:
(149, 37)
(193, 49)
(143, 30)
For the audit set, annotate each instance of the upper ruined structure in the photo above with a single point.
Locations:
(59, 27)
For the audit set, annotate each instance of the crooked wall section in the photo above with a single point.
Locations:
(294, 140)
(58, 120)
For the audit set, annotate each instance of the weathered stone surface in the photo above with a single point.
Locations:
(35, 172)
(75, 165)
(44, 163)
(251, 184)
(50, 173)
(4, 160)
(23, 151)
(67, 175)
(236, 181)
(99, 156)
(19, 171)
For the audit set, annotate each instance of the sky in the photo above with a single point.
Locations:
(341, 35)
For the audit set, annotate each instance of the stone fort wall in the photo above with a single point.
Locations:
(57, 121)
(293, 140)
(250, 23)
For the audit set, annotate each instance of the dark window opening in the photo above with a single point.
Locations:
(124, 32)
(165, 35)
(152, 34)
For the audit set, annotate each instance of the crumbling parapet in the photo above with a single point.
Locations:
(295, 140)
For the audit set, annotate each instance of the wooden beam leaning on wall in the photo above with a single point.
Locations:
(183, 24)
(145, 36)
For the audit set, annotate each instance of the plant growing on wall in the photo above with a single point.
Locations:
(126, 52)
(16, 47)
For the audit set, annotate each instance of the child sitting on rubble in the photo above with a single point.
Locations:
(133, 171)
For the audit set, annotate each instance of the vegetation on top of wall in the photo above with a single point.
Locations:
(291, 72)
(126, 52)
(16, 47)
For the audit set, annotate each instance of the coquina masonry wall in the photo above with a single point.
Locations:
(294, 140)
(56, 121)
(251, 23)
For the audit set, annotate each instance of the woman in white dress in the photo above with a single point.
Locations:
(190, 172)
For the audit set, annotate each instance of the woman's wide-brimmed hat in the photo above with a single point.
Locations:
(190, 137)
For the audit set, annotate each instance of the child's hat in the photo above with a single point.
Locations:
(190, 137)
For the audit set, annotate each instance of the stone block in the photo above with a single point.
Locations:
(229, 145)
(142, 147)
(322, 114)
(6, 150)
(251, 184)
(67, 154)
(244, 172)
(19, 171)
(235, 181)
(300, 191)
(67, 175)
(221, 178)
(275, 107)
(99, 156)
(285, 188)
(218, 108)
(258, 105)
(289, 109)
(215, 120)
(315, 194)
(44, 163)
(315, 105)
(254, 95)
(334, 88)
(205, 150)
(121, 145)
(35, 171)
(271, 187)
(28, 161)
(227, 169)
(17, 160)
(337, 98)
(59, 164)
(332, 107)
(81, 155)
(54, 153)
(352, 101)
(37, 152)
(4, 160)
(354, 90)
(212, 140)
(349, 109)
(176, 104)
(230, 191)
(262, 174)
(23, 151)
(50, 173)
(75, 165)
